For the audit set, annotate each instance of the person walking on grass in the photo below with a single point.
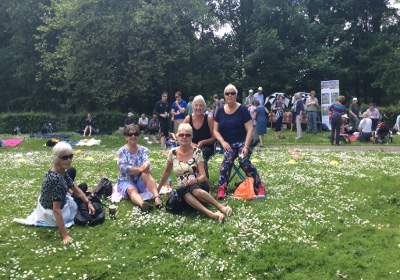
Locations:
(260, 115)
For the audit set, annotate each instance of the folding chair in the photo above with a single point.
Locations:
(236, 167)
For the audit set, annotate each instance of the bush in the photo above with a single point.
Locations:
(33, 122)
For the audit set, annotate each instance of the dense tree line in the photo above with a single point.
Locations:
(79, 55)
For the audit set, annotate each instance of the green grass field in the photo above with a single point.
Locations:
(327, 215)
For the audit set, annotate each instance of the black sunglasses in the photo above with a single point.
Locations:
(230, 93)
(185, 135)
(67, 157)
(132, 134)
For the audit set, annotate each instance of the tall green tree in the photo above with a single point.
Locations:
(113, 54)
(18, 68)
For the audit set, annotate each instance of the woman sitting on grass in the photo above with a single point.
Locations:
(89, 125)
(188, 165)
(365, 128)
(55, 205)
(134, 170)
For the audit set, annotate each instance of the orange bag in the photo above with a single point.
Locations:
(245, 190)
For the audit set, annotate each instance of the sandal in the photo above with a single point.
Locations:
(228, 211)
(158, 205)
(146, 207)
(220, 217)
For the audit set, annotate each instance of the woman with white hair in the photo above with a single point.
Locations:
(55, 205)
(233, 128)
(203, 126)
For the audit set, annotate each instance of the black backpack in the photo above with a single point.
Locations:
(83, 217)
(174, 203)
(324, 127)
(104, 188)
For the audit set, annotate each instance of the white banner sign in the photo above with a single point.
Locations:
(329, 94)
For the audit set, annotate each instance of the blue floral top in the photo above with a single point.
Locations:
(127, 160)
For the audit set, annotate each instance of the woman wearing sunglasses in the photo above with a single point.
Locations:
(188, 165)
(134, 171)
(203, 126)
(55, 205)
(233, 128)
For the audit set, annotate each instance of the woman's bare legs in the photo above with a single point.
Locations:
(136, 198)
(152, 187)
(205, 197)
(195, 203)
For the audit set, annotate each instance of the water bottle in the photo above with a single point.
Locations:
(175, 193)
(169, 181)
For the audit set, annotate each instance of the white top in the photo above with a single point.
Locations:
(365, 125)
(144, 121)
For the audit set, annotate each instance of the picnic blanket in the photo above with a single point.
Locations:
(47, 135)
(13, 142)
(90, 142)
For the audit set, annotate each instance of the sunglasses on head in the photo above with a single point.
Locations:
(132, 134)
(185, 135)
(230, 93)
(67, 157)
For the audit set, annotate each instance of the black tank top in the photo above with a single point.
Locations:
(202, 133)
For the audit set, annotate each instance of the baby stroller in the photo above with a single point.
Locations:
(382, 134)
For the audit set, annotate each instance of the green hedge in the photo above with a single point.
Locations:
(33, 122)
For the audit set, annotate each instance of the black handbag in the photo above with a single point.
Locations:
(83, 217)
(174, 203)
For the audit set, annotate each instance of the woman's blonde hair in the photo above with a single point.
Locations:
(365, 117)
(185, 127)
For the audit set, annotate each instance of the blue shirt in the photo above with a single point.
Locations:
(299, 106)
(259, 97)
(175, 108)
(232, 127)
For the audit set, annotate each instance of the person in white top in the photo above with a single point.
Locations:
(374, 115)
(365, 128)
(143, 123)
